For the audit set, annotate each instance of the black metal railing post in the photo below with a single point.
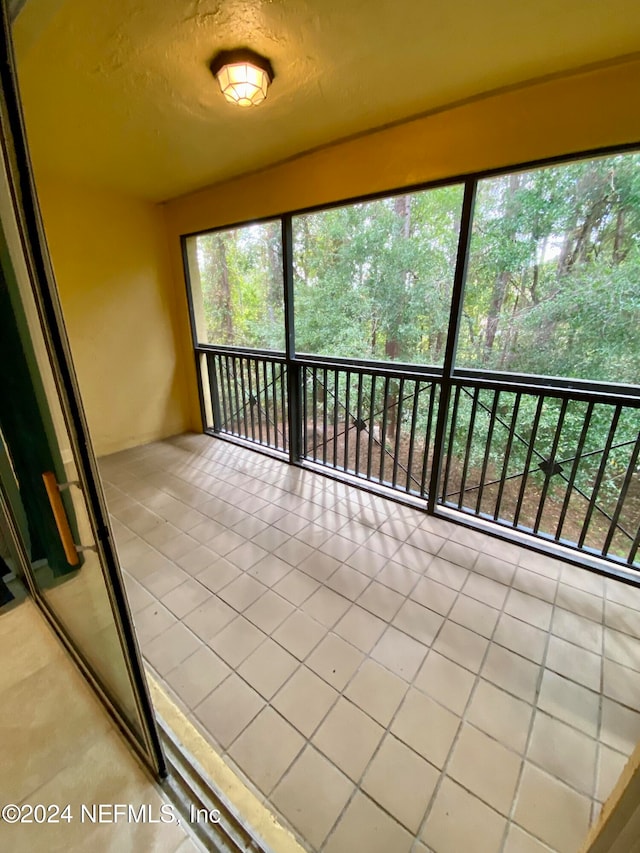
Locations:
(213, 390)
(455, 313)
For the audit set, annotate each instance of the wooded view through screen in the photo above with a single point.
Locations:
(240, 272)
(553, 284)
(552, 290)
(386, 268)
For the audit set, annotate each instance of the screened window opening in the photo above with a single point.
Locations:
(373, 280)
(237, 286)
(553, 281)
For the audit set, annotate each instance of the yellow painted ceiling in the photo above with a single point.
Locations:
(117, 93)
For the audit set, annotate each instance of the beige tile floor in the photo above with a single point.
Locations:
(59, 747)
(387, 681)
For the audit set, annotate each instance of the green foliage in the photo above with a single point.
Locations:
(373, 280)
(553, 282)
(241, 282)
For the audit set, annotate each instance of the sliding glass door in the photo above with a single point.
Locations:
(50, 493)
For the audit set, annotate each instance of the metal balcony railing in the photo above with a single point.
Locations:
(529, 459)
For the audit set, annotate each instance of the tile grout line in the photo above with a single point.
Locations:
(407, 597)
(463, 715)
(534, 705)
(224, 754)
(599, 749)
(387, 732)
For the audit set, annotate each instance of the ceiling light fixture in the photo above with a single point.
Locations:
(244, 76)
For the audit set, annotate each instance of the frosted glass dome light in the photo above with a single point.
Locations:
(243, 76)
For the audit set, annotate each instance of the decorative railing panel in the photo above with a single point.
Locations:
(559, 465)
(376, 425)
(249, 397)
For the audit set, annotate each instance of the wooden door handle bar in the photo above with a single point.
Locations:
(60, 516)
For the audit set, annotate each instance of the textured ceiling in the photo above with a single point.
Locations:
(118, 94)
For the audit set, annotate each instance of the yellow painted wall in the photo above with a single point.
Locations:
(112, 268)
(568, 114)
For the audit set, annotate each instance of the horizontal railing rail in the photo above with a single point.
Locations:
(574, 389)
(357, 365)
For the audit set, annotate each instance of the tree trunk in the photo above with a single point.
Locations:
(536, 271)
(225, 292)
(511, 338)
(274, 285)
(577, 240)
(374, 336)
(501, 282)
(493, 318)
(402, 207)
(619, 253)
